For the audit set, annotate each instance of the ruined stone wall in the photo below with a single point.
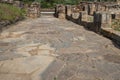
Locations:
(100, 14)
(96, 16)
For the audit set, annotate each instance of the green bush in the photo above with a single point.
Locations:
(9, 12)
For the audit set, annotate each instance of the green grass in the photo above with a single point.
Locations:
(116, 25)
(9, 12)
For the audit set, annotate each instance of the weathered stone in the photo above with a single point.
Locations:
(103, 18)
(83, 16)
(106, 19)
(91, 8)
(34, 10)
(86, 8)
(61, 12)
(80, 53)
(25, 65)
(75, 15)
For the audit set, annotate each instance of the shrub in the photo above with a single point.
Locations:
(9, 12)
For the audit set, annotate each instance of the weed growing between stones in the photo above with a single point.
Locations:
(116, 24)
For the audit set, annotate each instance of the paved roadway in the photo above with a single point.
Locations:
(48, 48)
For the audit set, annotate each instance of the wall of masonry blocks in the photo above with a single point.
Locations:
(93, 15)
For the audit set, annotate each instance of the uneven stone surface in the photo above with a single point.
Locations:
(52, 49)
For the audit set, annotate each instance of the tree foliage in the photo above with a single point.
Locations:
(51, 3)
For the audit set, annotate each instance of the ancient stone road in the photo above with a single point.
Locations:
(51, 49)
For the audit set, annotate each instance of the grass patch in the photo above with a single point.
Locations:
(116, 24)
(9, 12)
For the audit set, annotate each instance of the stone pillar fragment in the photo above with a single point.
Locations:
(34, 10)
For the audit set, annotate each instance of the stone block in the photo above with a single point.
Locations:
(34, 10)
(75, 15)
(91, 8)
(104, 18)
(61, 12)
(83, 16)
(61, 16)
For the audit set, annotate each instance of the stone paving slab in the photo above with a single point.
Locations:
(25, 65)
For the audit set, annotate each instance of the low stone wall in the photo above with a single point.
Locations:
(93, 16)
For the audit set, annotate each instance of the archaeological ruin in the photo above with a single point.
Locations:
(96, 16)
